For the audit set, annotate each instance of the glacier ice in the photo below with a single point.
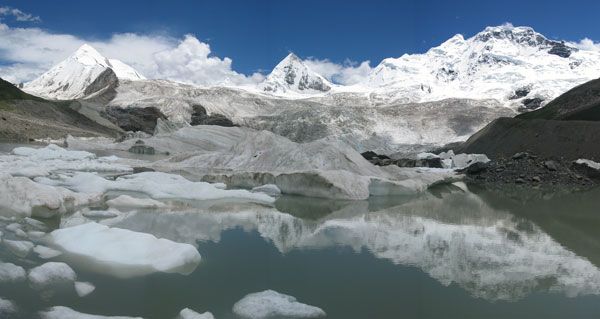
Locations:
(121, 252)
(20, 248)
(157, 185)
(242, 157)
(7, 306)
(188, 313)
(61, 312)
(126, 201)
(272, 304)
(50, 275)
(23, 197)
(83, 288)
(11, 273)
(269, 189)
(46, 252)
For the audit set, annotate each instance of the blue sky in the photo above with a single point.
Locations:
(256, 35)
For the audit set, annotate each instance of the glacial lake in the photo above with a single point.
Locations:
(443, 254)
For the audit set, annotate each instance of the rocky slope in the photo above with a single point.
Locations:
(24, 117)
(567, 128)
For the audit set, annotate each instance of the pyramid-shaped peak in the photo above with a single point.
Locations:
(88, 55)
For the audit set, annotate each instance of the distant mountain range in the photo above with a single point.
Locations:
(514, 65)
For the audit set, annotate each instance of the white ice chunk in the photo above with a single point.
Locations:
(126, 201)
(100, 213)
(84, 288)
(60, 312)
(589, 163)
(52, 152)
(20, 248)
(463, 160)
(271, 304)
(34, 234)
(51, 274)
(426, 156)
(269, 189)
(219, 185)
(16, 229)
(45, 252)
(7, 306)
(11, 273)
(123, 253)
(188, 313)
(24, 197)
(159, 186)
(35, 223)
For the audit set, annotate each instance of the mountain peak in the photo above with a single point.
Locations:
(292, 74)
(86, 54)
(520, 35)
(71, 78)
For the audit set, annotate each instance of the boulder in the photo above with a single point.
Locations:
(201, 117)
(140, 148)
(134, 118)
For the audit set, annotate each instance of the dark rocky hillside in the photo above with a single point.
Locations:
(24, 117)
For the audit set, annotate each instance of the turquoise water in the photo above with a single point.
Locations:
(445, 254)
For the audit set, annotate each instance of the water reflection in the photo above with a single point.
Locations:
(493, 248)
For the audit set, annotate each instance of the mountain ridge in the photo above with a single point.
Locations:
(71, 78)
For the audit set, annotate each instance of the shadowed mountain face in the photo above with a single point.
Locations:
(24, 117)
(581, 103)
(567, 128)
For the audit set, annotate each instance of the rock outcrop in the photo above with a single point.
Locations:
(134, 119)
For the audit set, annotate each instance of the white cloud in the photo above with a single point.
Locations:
(347, 73)
(586, 44)
(25, 53)
(191, 62)
(18, 15)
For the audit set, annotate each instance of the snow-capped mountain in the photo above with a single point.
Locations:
(514, 65)
(70, 78)
(292, 75)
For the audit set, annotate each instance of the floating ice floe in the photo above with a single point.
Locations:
(20, 248)
(16, 229)
(50, 275)
(188, 313)
(35, 223)
(52, 152)
(60, 312)
(31, 162)
(156, 185)
(45, 252)
(271, 304)
(7, 306)
(269, 189)
(126, 201)
(100, 213)
(24, 197)
(84, 288)
(11, 273)
(121, 252)
(458, 161)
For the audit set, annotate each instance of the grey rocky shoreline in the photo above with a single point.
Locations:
(523, 169)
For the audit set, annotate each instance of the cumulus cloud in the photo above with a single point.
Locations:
(586, 44)
(25, 53)
(18, 15)
(347, 73)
